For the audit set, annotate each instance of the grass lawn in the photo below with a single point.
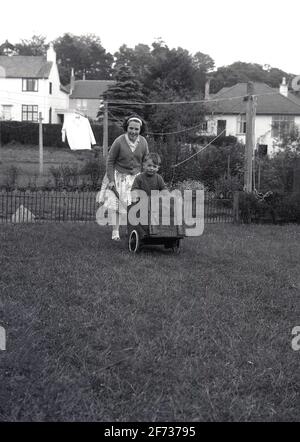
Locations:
(97, 334)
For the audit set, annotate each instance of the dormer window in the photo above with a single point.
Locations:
(29, 85)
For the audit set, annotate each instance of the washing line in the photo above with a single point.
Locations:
(200, 150)
(116, 103)
(169, 133)
(212, 100)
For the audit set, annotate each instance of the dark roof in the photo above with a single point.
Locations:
(294, 97)
(91, 88)
(25, 66)
(269, 102)
(64, 89)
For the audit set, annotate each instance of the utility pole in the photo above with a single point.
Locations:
(41, 144)
(0, 140)
(253, 172)
(250, 141)
(259, 172)
(105, 130)
(228, 166)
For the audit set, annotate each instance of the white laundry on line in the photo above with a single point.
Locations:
(78, 131)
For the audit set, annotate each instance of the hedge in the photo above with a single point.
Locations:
(24, 132)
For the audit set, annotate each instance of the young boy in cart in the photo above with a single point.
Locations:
(162, 231)
(149, 179)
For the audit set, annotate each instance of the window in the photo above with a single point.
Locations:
(203, 126)
(29, 85)
(262, 150)
(50, 88)
(282, 125)
(241, 124)
(6, 112)
(50, 115)
(221, 127)
(81, 103)
(29, 113)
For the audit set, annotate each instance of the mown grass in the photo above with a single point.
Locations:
(97, 334)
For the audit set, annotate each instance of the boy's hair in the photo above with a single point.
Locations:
(154, 157)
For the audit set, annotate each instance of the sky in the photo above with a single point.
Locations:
(259, 31)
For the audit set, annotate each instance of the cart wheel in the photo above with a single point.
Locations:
(176, 246)
(134, 242)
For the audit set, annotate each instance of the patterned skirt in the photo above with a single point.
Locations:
(107, 197)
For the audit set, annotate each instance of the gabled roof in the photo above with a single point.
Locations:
(90, 89)
(269, 101)
(25, 66)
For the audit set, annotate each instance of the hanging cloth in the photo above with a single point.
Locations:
(78, 131)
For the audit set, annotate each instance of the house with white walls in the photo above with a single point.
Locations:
(30, 85)
(277, 113)
(85, 95)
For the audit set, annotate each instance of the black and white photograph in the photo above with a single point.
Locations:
(149, 214)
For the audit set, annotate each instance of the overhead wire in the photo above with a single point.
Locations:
(202, 149)
(163, 133)
(210, 100)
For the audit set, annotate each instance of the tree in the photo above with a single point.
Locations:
(163, 118)
(176, 68)
(125, 56)
(127, 89)
(203, 65)
(173, 67)
(240, 72)
(277, 172)
(203, 62)
(35, 46)
(138, 59)
(85, 54)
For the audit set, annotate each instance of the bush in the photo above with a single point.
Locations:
(11, 174)
(65, 176)
(70, 177)
(224, 187)
(273, 207)
(289, 209)
(95, 170)
(189, 185)
(192, 163)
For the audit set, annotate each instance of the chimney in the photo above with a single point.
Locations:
(207, 85)
(72, 81)
(51, 54)
(283, 88)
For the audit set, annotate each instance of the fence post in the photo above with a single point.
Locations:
(296, 176)
(236, 216)
(0, 140)
(105, 130)
(41, 161)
